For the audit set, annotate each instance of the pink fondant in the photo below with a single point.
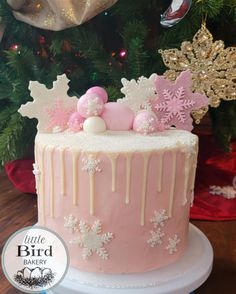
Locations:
(90, 105)
(117, 116)
(75, 122)
(128, 250)
(99, 91)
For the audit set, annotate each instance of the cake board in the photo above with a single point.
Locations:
(181, 277)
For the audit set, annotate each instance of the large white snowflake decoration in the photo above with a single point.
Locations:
(91, 165)
(138, 94)
(159, 218)
(92, 240)
(172, 245)
(176, 101)
(156, 238)
(49, 104)
(71, 223)
(228, 192)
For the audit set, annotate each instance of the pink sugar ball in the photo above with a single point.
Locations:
(90, 105)
(101, 92)
(75, 122)
(145, 122)
(117, 116)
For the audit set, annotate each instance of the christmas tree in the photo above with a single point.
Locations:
(120, 42)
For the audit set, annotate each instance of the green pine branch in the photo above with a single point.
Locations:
(16, 138)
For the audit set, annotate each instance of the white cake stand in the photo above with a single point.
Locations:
(182, 277)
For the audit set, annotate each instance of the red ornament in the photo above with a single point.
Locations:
(42, 40)
(14, 47)
(123, 53)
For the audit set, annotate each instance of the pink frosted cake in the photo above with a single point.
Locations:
(119, 200)
(116, 186)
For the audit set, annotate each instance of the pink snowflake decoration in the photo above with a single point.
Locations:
(58, 116)
(176, 101)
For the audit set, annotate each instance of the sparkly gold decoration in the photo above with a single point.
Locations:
(213, 68)
(68, 15)
(49, 21)
(57, 15)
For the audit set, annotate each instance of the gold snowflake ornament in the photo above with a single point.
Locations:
(213, 67)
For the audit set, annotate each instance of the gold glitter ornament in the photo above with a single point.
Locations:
(213, 67)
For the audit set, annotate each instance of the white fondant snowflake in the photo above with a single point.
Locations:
(172, 245)
(36, 170)
(159, 218)
(71, 223)
(91, 240)
(138, 93)
(91, 165)
(156, 238)
(93, 106)
(228, 192)
(44, 97)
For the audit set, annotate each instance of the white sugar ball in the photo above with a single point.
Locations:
(94, 124)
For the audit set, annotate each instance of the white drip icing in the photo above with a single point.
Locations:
(128, 176)
(146, 157)
(172, 182)
(51, 171)
(75, 156)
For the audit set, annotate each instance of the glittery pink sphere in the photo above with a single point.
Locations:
(101, 92)
(75, 122)
(145, 122)
(90, 105)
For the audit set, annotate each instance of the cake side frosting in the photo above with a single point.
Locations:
(120, 200)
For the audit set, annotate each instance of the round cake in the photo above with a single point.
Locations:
(115, 179)
(119, 199)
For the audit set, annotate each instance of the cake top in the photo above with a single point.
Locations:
(150, 105)
(119, 141)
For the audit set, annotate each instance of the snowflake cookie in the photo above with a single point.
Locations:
(92, 240)
(138, 93)
(51, 107)
(176, 101)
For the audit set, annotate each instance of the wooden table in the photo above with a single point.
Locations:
(18, 210)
